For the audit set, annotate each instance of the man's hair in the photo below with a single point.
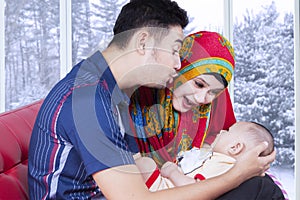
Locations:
(147, 13)
(259, 133)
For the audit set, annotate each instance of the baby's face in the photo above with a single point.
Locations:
(225, 139)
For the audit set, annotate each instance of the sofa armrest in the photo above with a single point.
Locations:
(15, 132)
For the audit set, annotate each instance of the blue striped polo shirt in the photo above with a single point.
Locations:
(77, 133)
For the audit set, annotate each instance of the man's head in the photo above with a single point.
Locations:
(241, 137)
(148, 35)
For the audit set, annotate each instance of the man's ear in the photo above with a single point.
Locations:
(142, 38)
(236, 148)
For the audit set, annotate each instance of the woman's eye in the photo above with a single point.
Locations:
(176, 49)
(199, 84)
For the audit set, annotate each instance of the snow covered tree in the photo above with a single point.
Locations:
(92, 24)
(264, 76)
(33, 42)
(32, 50)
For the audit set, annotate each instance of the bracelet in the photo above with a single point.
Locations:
(199, 177)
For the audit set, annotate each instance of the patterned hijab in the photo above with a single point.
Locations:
(162, 132)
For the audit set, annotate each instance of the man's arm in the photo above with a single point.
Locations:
(126, 182)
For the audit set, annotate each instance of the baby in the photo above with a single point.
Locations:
(199, 164)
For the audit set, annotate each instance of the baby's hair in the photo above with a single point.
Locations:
(262, 134)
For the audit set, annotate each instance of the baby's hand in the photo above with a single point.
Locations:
(168, 168)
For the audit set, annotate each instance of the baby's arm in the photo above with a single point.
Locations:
(146, 166)
(170, 170)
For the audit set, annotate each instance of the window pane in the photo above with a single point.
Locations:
(264, 76)
(32, 50)
(204, 15)
(93, 20)
(92, 24)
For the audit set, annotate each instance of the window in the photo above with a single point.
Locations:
(92, 23)
(263, 37)
(31, 50)
(39, 37)
(205, 15)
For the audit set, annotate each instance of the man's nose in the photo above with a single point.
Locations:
(177, 64)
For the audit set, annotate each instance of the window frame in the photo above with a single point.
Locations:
(2, 56)
(65, 37)
(297, 95)
(66, 60)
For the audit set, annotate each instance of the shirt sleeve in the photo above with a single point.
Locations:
(94, 131)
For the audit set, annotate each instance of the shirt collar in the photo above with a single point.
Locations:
(105, 73)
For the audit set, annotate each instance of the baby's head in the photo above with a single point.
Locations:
(241, 137)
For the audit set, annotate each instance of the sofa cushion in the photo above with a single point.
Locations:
(15, 131)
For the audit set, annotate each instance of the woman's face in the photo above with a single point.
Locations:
(197, 91)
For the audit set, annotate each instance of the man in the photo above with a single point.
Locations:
(80, 146)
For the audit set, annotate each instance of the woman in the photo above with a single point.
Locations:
(190, 112)
(181, 116)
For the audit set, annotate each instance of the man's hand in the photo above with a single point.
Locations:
(251, 164)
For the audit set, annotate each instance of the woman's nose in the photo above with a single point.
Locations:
(200, 97)
(203, 97)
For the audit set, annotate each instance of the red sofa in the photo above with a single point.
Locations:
(15, 132)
